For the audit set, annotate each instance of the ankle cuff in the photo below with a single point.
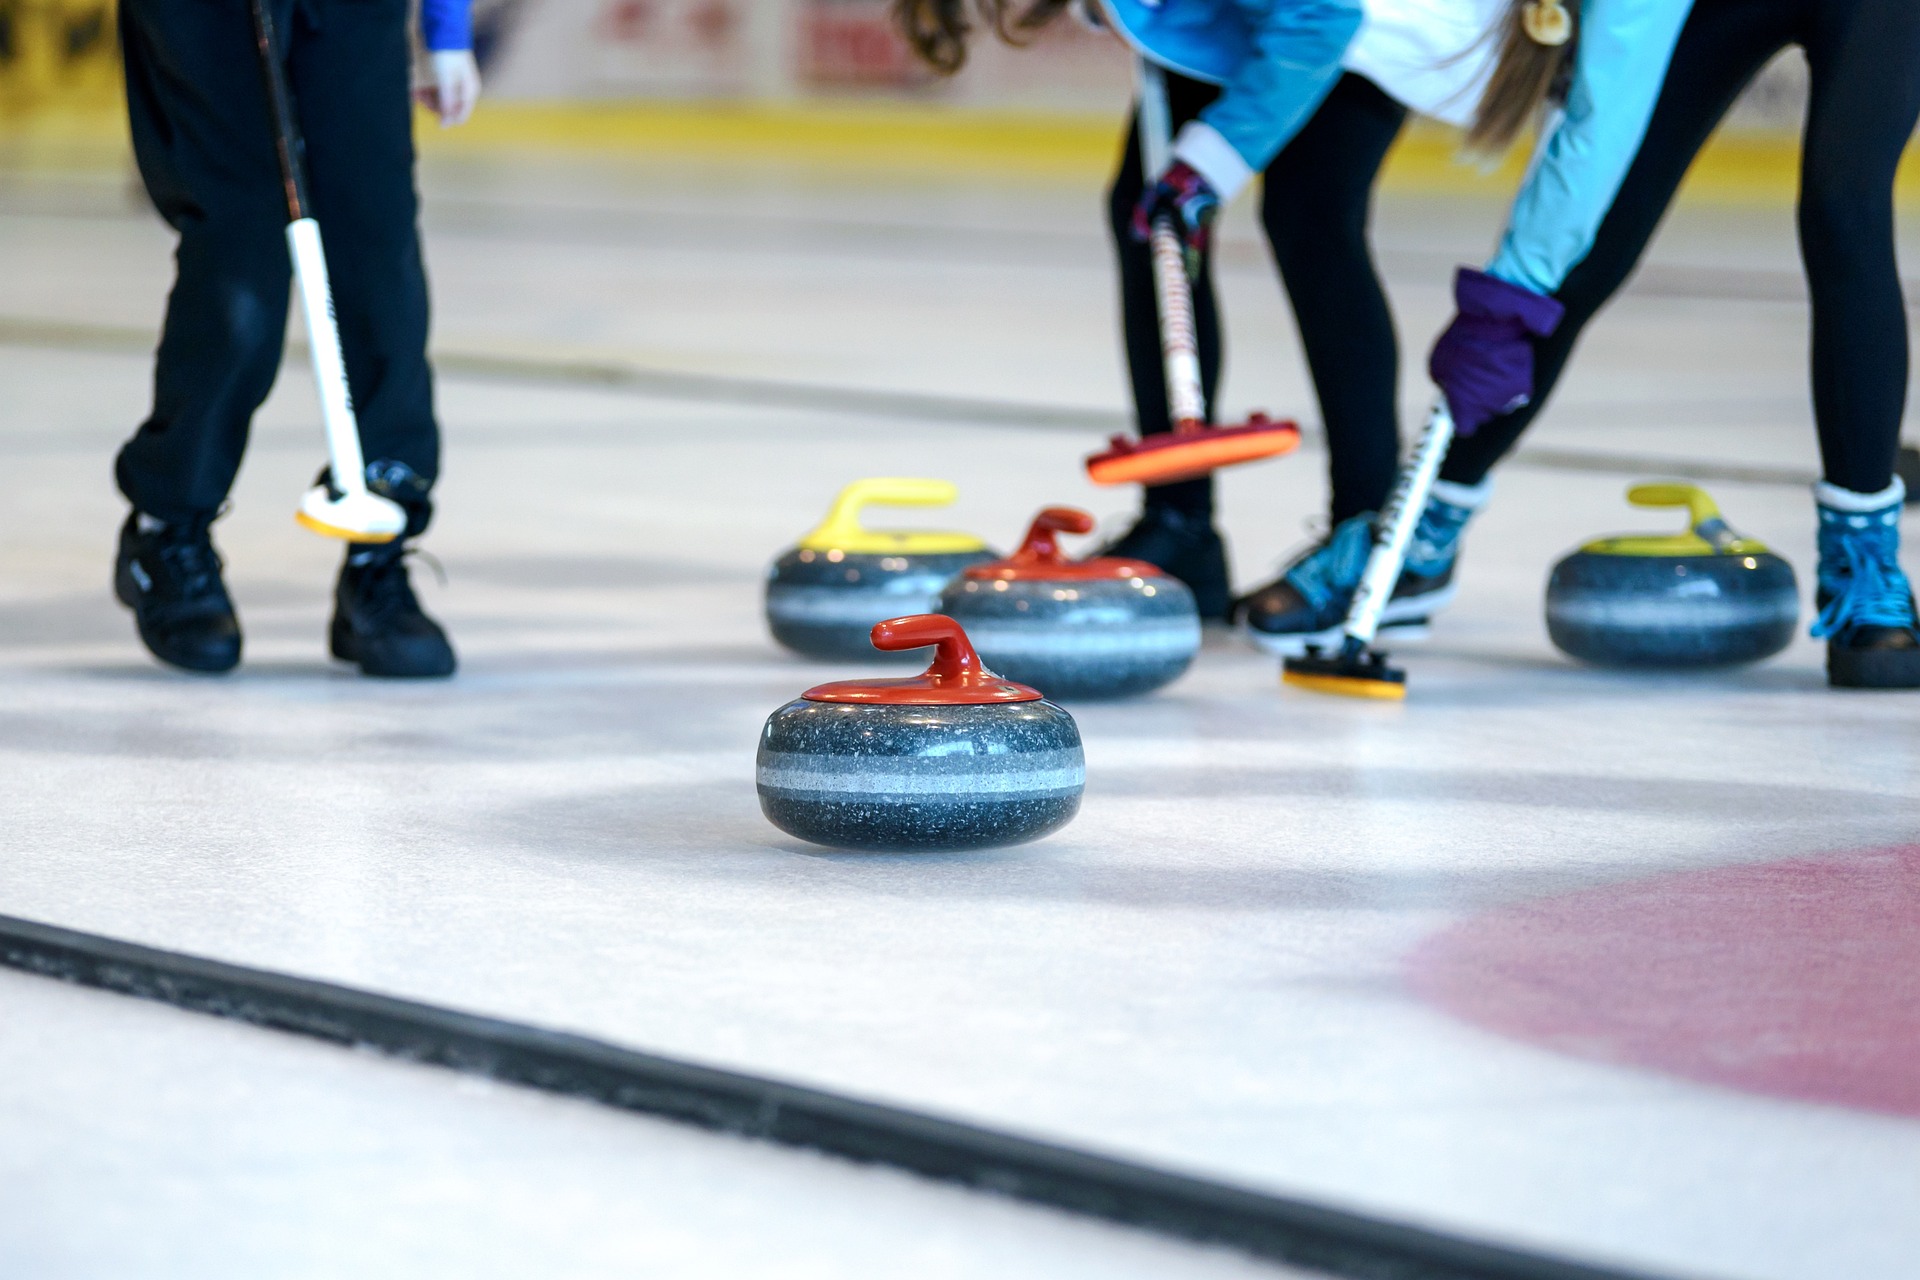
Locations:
(1834, 498)
(1469, 497)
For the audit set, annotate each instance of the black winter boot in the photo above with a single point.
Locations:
(377, 621)
(169, 575)
(1184, 545)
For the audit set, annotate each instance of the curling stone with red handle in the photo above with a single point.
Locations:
(956, 758)
(825, 594)
(1100, 628)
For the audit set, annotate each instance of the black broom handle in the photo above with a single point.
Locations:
(286, 133)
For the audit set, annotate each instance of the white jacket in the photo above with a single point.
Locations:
(1432, 56)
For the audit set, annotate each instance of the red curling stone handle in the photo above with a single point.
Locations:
(1041, 545)
(954, 658)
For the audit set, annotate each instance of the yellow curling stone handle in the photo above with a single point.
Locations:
(1707, 531)
(842, 530)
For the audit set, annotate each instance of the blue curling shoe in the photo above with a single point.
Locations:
(1866, 603)
(1307, 605)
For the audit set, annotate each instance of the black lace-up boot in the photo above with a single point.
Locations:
(1184, 544)
(377, 621)
(169, 575)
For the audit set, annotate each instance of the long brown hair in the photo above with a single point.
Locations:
(938, 29)
(1524, 74)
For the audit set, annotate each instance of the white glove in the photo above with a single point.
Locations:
(449, 86)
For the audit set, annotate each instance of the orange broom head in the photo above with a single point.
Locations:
(1192, 450)
(1349, 675)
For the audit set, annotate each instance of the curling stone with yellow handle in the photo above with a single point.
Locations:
(1707, 597)
(824, 595)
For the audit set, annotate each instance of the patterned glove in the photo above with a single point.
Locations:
(1484, 361)
(1193, 204)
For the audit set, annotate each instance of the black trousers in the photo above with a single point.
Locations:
(1315, 204)
(1864, 56)
(204, 141)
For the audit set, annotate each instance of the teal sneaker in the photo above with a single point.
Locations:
(1307, 605)
(1866, 604)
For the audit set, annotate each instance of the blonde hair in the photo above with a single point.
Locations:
(1537, 42)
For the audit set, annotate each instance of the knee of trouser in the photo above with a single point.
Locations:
(1843, 218)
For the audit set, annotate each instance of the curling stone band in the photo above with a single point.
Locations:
(825, 594)
(823, 605)
(1706, 597)
(953, 759)
(1098, 628)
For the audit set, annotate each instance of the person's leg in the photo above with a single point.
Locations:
(1864, 56)
(349, 66)
(1723, 45)
(1175, 528)
(348, 61)
(204, 145)
(1140, 312)
(198, 116)
(1316, 205)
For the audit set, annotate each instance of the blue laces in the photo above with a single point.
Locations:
(1332, 570)
(1860, 572)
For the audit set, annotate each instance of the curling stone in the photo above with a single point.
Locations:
(1704, 598)
(824, 595)
(956, 758)
(1098, 628)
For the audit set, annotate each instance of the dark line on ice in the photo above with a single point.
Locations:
(1296, 1232)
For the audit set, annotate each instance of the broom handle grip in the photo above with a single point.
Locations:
(286, 132)
(1179, 337)
(1393, 531)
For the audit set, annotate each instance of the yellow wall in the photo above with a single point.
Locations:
(60, 103)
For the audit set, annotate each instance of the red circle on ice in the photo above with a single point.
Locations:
(1798, 979)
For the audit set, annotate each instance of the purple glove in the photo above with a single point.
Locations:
(1484, 361)
(1193, 204)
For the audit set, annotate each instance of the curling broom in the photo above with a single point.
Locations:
(1193, 448)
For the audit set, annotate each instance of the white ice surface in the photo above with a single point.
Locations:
(140, 1141)
(1204, 970)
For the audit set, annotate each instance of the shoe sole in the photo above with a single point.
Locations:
(1401, 622)
(340, 645)
(1296, 644)
(1873, 668)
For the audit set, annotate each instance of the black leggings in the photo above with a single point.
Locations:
(1315, 206)
(1865, 61)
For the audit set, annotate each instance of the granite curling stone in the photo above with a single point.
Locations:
(825, 594)
(956, 758)
(1097, 628)
(1704, 598)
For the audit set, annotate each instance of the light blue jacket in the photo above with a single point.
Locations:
(1625, 46)
(1275, 61)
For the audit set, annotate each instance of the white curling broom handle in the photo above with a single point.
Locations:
(329, 370)
(1179, 341)
(1400, 519)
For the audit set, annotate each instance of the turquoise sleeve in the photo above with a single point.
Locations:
(1297, 46)
(1625, 46)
